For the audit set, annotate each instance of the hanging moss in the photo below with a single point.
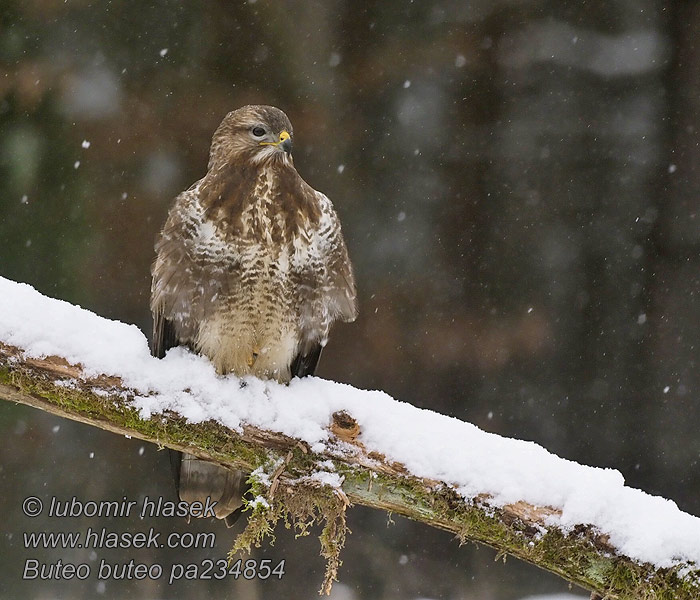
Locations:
(299, 505)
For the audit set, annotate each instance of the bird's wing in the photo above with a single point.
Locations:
(334, 296)
(306, 361)
(164, 336)
(187, 277)
(340, 280)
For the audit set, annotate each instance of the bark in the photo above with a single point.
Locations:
(583, 556)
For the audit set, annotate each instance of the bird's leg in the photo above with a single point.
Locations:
(253, 356)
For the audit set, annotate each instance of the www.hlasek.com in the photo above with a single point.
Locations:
(102, 537)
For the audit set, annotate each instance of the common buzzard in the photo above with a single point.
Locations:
(251, 270)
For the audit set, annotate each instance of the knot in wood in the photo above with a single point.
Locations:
(344, 426)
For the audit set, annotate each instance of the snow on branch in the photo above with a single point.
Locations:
(315, 446)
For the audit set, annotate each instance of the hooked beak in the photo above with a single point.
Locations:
(285, 142)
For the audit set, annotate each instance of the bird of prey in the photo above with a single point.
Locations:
(251, 271)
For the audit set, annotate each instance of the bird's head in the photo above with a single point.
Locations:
(253, 133)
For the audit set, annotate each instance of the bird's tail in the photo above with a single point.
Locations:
(196, 480)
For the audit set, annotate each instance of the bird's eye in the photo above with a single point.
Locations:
(258, 131)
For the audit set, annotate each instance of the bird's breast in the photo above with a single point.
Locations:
(261, 265)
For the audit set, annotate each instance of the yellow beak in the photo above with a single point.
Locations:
(285, 141)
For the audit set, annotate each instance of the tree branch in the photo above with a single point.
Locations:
(583, 557)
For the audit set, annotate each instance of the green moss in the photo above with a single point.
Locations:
(299, 504)
(574, 557)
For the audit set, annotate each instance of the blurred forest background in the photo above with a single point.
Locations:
(519, 186)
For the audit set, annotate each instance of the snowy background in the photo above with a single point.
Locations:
(518, 186)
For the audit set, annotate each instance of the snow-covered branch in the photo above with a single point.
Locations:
(315, 446)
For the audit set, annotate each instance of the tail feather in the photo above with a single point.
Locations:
(201, 479)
